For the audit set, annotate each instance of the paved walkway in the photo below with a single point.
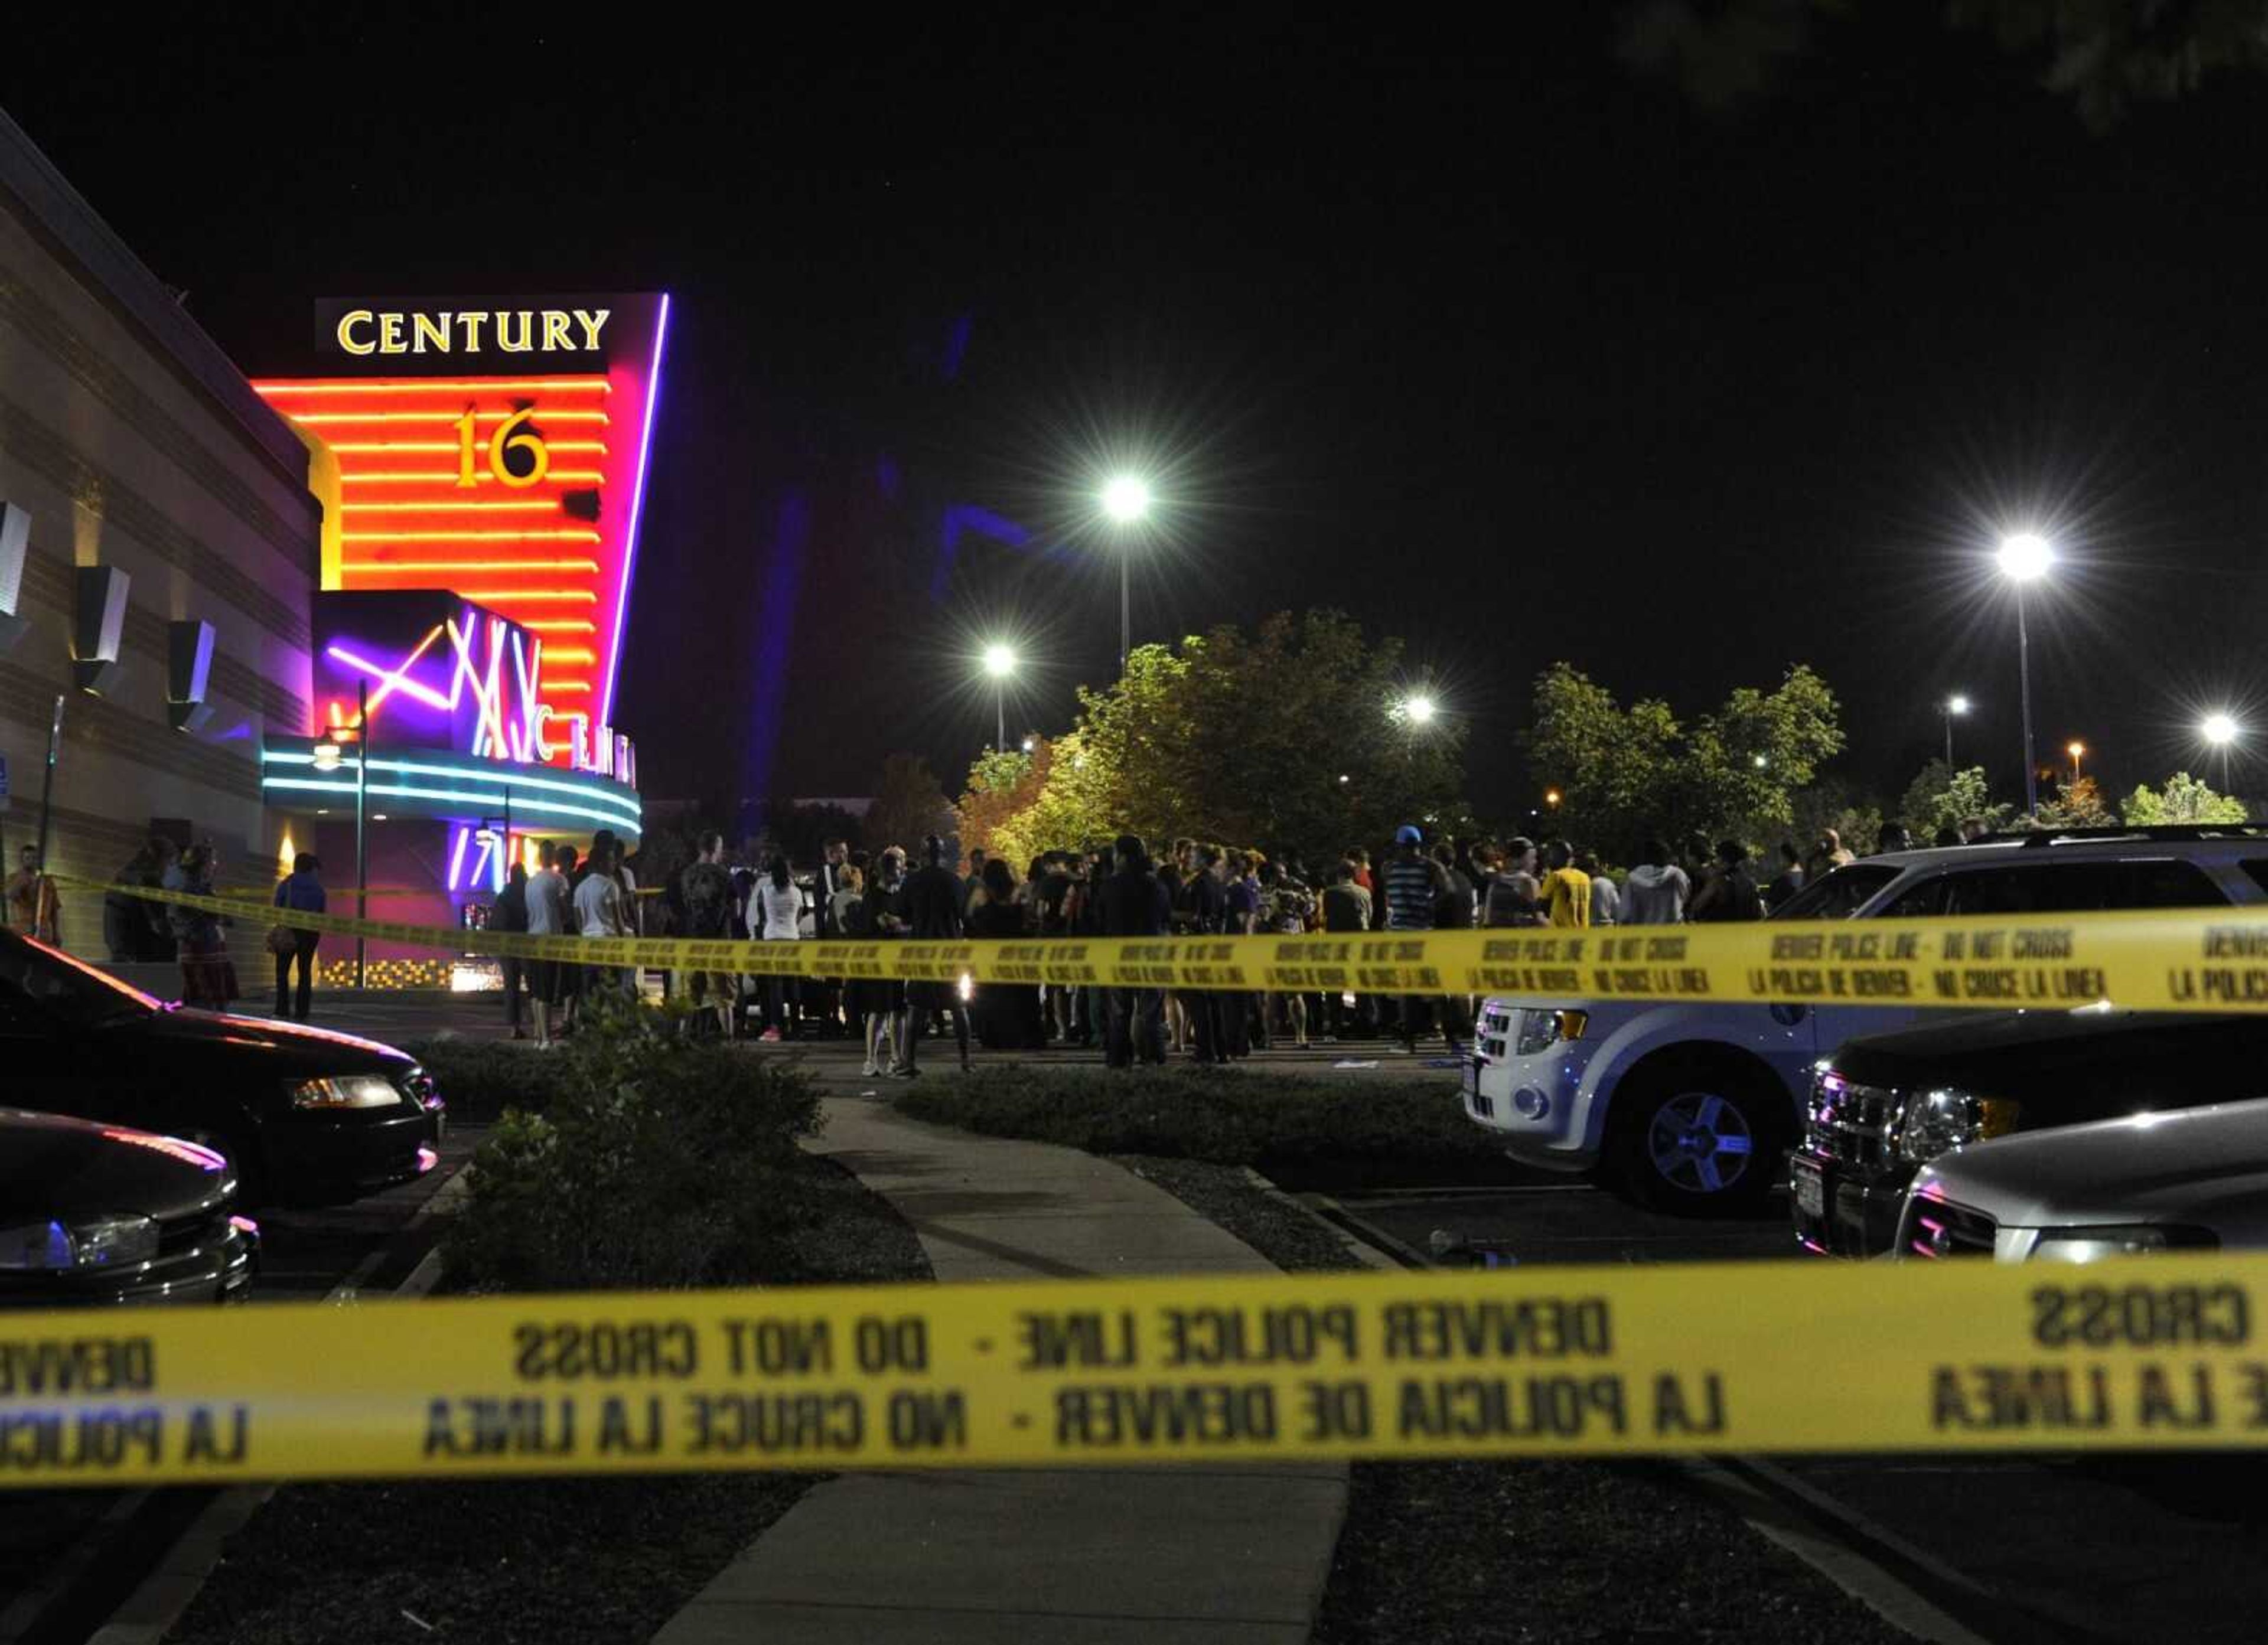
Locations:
(1087, 1556)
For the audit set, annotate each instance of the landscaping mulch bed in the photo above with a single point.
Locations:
(598, 1561)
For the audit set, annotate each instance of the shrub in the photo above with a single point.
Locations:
(660, 1162)
(480, 1078)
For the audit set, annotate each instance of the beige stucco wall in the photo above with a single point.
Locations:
(123, 456)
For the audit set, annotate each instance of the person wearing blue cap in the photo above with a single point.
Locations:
(1411, 882)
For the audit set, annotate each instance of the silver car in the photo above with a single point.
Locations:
(2194, 1178)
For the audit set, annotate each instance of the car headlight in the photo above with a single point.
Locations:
(346, 1091)
(94, 1241)
(1937, 1121)
(2093, 1244)
(1541, 1030)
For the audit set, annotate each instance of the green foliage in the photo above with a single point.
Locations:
(2184, 799)
(1625, 773)
(480, 1078)
(1942, 797)
(1235, 737)
(908, 804)
(660, 1162)
(1227, 1116)
(2077, 805)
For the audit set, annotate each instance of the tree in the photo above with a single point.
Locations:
(908, 803)
(1942, 797)
(1623, 773)
(2078, 804)
(2185, 800)
(1286, 738)
(801, 831)
(1001, 783)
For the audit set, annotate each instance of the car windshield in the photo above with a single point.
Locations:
(1839, 895)
(33, 975)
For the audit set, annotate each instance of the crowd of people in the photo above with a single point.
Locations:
(1193, 888)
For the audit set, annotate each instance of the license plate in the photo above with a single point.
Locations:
(1810, 1191)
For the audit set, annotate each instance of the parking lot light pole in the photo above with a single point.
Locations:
(2025, 558)
(1950, 709)
(362, 835)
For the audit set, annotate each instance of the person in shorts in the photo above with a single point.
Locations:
(545, 895)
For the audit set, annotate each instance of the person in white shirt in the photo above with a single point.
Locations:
(1606, 897)
(776, 916)
(599, 911)
(547, 891)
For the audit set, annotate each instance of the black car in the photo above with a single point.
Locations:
(95, 1214)
(303, 1114)
(1884, 1106)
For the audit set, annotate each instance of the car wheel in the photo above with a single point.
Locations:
(1700, 1139)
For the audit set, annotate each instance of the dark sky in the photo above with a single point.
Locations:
(1499, 343)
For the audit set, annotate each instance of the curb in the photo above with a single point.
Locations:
(160, 1601)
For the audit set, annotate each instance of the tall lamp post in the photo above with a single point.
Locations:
(2219, 730)
(1000, 663)
(1949, 710)
(1126, 499)
(2025, 558)
(2075, 750)
(362, 827)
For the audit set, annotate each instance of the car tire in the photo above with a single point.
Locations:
(1699, 1136)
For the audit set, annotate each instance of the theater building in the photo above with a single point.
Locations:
(383, 603)
(481, 467)
(159, 552)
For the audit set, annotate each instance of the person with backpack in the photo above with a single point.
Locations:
(704, 892)
(1513, 895)
(1731, 893)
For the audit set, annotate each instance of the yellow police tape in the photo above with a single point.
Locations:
(2192, 960)
(1795, 1356)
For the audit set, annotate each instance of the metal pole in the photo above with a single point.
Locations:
(1125, 606)
(47, 786)
(362, 842)
(1947, 713)
(2024, 674)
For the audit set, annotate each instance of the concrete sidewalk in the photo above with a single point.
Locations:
(1089, 1555)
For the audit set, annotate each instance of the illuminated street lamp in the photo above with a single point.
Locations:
(2074, 749)
(2220, 730)
(1949, 710)
(2025, 558)
(1419, 709)
(1126, 499)
(1551, 798)
(1000, 663)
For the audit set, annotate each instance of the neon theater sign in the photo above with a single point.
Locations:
(482, 467)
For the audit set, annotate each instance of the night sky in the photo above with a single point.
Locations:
(1505, 346)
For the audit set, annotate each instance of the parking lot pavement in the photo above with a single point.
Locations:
(67, 1556)
(308, 1252)
(2172, 1547)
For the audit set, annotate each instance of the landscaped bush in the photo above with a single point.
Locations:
(658, 1161)
(480, 1078)
(1228, 1116)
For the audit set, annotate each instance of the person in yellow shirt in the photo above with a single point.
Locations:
(1566, 890)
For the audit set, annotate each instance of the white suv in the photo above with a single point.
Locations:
(1690, 1107)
